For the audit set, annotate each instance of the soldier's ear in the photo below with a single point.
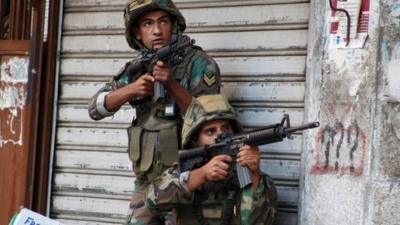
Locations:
(193, 139)
(137, 34)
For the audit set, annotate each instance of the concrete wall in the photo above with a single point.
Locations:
(384, 199)
(351, 169)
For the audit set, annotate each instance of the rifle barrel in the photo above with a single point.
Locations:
(303, 127)
(271, 135)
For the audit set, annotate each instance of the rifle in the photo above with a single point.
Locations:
(230, 145)
(173, 54)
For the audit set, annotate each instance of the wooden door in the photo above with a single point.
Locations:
(19, 79)
(14, 136)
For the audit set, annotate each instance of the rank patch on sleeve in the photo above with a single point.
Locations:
(209, 79)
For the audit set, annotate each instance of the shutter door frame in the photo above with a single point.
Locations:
(253, 78)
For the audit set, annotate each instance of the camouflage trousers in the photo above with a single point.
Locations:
(139, 214)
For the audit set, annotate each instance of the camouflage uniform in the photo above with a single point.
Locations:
(204, 206)
(153, 136)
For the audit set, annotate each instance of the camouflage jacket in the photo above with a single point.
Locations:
(153, 136)
(198, 73)
(254, 207)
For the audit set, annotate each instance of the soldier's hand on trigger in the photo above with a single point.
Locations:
(249, 156)
(162, 72)
(217, 168)
(143, 86)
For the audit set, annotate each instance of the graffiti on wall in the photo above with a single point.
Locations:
(340, 148)
(13, 91)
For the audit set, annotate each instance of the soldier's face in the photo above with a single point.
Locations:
(154, 29)
(211, 129)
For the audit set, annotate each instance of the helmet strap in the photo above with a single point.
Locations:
(176, 33)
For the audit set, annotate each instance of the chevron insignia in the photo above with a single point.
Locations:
(209, 80)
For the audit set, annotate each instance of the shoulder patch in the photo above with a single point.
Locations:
(209, 79)
(205, 75)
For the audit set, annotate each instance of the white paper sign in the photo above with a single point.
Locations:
(28, 217)
(353, 8)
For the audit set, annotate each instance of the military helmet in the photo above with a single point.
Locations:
(206, 108)
(135, 8)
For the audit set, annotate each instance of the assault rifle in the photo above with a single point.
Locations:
(173, 54)
(230, 145)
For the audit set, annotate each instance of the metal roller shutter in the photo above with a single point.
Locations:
(260, 46)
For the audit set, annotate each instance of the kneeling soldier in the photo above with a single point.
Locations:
(200, 196)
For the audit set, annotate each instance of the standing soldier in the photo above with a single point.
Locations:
(210, 194)
(155, 131)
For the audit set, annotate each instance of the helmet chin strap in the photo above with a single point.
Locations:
(176, 33)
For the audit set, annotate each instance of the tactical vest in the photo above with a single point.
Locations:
(153, 137)
(208, 207)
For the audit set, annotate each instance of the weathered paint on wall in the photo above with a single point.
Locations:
(390, 48)
(340, 147)
(385, 188)
(13, 86)
(341, 88)
(355, 95)
(390, 99)
(345, 113)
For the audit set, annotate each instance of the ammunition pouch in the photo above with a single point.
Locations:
(153, 147)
